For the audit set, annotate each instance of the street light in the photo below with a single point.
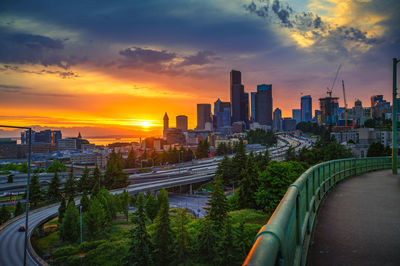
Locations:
(80, 213)
(27, 186)
(394, 118)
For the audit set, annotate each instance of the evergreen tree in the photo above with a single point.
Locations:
(84, 182)
(151, 206)
(241, 243)
(218, 210)
(18, 209)
(95, 219)
(95, 189)
(209, 238)
(69, 186)
(131, 160)
(95, 178)
(163, 238)
(125, 199)
(53, 192)
(202, 149)
(225, 170)
(35, 193)
(69, 229)
(248, 184)
(238, 161)
(61, 210)
(84, 202)
(181, 243)
(227, 248)
(114, 177)
(4, 214)
(290, 154)
(140, 251)
(56, 166)
(107, 201)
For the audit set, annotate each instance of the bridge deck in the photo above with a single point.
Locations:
(359, 223)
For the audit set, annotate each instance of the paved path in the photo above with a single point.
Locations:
(359, 223)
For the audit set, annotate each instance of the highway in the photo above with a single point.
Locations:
(12, 241)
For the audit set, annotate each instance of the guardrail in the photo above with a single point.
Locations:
(285, 239)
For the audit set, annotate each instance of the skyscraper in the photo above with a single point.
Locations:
(296, 115)
(182, 122)
(263, 104)
(329, 110)
(166, 125)
(222, 114)
(203, 115)
(245, 108)
(306, 108)
(253, 105)
(277, 122)
(237, 96)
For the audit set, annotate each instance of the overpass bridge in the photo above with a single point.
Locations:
(340, 212)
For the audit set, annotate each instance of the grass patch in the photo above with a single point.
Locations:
(45, 245)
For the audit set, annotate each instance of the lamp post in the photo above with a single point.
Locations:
(27, 186)
(394, 118)
(80, 213)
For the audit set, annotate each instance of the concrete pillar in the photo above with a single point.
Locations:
(190, 189)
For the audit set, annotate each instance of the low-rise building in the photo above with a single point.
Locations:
(8, 148)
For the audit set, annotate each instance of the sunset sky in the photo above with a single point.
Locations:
(115, 67)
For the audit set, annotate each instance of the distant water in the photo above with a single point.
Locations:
(108, 140)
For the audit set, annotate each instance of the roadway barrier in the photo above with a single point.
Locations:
(285, 239)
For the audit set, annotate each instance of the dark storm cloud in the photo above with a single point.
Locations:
(165, 23)
(137, 55)
(201, 58)
(61, 74)
(36, 41)
(162, 61)
(24, 48)
(282, 13)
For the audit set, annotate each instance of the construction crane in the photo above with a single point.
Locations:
(329, 91)
(345, 104)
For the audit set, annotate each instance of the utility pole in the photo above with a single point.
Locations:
(394, 118)
(80, 212)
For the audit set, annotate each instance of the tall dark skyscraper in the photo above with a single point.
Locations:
(245, 108)
(306, 108)
(237, 96)
(253, 105)
(264, 104)
(277, 122)
(166, 125)
(203, 115)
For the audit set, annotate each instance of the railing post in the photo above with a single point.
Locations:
(319, 183)
(329, 175)
(298, 229)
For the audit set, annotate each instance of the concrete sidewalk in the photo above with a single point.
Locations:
(359, 223)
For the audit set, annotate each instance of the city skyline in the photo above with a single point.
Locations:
(102, 73)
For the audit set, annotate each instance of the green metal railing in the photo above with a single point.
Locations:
(284, 240)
